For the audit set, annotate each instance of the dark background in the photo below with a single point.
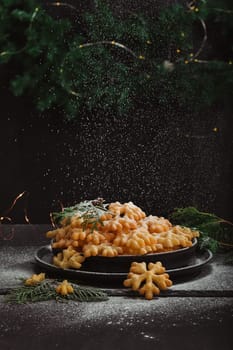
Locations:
(158, 158)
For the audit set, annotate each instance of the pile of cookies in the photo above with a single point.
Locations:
(124, 229)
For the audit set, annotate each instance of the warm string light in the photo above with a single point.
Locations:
(62, 4)
(103, 42)
(10, 235)
(215, 130)
(3, 218)
(33, 16)
(192, 6)
(223, 10)
(51, 220)
(63, 84)
(204, 40)
(25, 208)
(11, 53)
(167, 64)
(225, 244)
(113, 43)
(61, 205)
(97, 43)
(193, 56)
(51, 214)
(9, 210)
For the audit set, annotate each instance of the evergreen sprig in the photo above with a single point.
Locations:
(45, 291)
(90, 211)
(215, 232)
(48, 63)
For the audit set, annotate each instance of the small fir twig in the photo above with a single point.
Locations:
(215, 232)
(90, 211)
(45, 291)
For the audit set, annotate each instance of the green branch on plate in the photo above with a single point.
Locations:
(90, 211)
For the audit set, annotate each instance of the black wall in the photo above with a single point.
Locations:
(158, 158)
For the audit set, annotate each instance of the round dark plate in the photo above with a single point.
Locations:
(171, 259)
(44, 257)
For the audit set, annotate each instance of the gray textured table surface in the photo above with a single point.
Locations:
(194, 314)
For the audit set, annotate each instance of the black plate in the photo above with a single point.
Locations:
(121, 263)
(44, 259)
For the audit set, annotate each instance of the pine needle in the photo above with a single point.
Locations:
(90, 211)
(215, 232)
(45, 291)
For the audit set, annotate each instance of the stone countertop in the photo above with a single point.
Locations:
(119, 323)
(194, 314)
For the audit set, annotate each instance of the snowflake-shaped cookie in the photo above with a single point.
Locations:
(149, 281)
(65, 288)
(69, 258)
(127, 209)
(34, 279)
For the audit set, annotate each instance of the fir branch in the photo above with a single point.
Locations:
(40, 292)
(206, 242)
(215, 232)
(90, 211)
(45, 291)
(87, 294)
(56, 69)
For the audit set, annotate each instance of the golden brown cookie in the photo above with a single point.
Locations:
(149, 281)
